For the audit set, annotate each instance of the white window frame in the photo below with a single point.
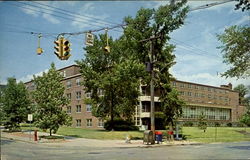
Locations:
(89, 122)
(88, 107)
(77, 108)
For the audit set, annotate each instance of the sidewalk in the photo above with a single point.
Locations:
(72, 141)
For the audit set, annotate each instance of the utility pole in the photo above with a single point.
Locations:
(152, 95)
(151, 64)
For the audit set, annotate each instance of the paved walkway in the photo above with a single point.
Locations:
(72, 141)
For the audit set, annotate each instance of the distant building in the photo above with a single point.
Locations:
(220, 104)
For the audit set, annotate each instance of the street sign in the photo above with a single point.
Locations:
(30, 117)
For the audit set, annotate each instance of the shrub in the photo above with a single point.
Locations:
(188, 124)
(121, 125)
(217, 124)
(229, 124)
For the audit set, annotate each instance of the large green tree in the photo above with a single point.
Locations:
(15, 104)
(236, 51)
(159, 23)
(243, 91)
(49, 99)
(115, 74)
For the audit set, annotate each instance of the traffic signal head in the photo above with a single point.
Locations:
(39, 51)
(89, 39)
(107, 49)
(58, 48)
(65, 49)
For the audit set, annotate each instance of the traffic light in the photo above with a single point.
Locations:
(65, 49)
(58, 48)
(89, 39)
(107, 47)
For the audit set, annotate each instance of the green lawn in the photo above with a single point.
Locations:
(224, 134)
(98, 134)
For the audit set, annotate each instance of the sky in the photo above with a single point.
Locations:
(198, 59)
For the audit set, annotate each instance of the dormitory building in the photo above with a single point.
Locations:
(218, 104)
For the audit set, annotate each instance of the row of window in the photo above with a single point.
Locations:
(78, 95)
(69, 83)
(210, 89)
(100, 122)
(79, 108)
(202, 95)
(209, 112)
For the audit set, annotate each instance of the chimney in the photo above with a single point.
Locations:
(229, 86)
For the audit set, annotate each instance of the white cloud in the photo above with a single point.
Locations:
(30, 76)
(41, 10)
(51, 19)
(31, 10)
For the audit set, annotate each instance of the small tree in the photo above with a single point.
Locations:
(202, 124)
(49, 98)
(15, 104)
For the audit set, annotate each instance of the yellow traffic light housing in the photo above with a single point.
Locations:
(107, 47)
(39, 50)
(58, 48)
(65, 49)
(62, 50)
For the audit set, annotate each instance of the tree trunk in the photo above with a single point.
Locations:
(50, 132)
(171, 129)
(112, 112)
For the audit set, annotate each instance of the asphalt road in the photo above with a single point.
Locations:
(17, 150)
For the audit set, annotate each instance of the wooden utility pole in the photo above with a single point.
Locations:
(152, 105)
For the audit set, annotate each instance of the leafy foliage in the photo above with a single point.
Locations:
(242, 93)
(15, 104)
(157, 23)
(49, 98)
(120, 125)
(243, 5)
(202, 122)
(115, 75)
(236, 51)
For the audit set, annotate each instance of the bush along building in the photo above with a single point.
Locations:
(218, 104)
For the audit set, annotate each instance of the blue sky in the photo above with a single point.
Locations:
(198, 59)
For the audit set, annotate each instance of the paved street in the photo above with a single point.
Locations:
(17, 150)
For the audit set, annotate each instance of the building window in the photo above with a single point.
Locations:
(189, 93)
(209, 96)
(78, 122)
(100, 122)
(89, 122)
(78, 95)
(68, 85)
(189, 86)
(78, 82)
(63, 73)
(88, 95)
(88, 107)
(78, 108)
(182, 93)
(69, 109)
(174, 84)
(68, 96)
(196, 87)
(196, 95)
(100, 92)
(182, 85)
(209, 89)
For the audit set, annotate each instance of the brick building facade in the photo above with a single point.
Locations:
(216, 103)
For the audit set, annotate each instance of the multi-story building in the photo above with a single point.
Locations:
(216, 103)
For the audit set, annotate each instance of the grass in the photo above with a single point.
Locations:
(98, 134)
(224, 134)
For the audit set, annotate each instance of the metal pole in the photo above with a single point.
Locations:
(30, 131)
(152, 112)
